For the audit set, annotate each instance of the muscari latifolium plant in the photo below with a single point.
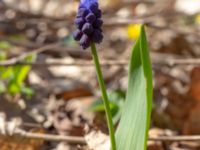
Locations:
(132, 130)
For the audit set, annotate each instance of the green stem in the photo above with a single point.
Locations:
(104, 95)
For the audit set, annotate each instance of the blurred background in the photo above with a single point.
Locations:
(48, 83)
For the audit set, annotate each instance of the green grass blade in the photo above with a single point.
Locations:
(133, 128)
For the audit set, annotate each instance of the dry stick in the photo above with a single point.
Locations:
(24, 55)
(81, 63)
(50, 137)
(48, 17)
(81, 140)
(157, 58)
(187, 61)
(168, 62)
(139, 1)
(107, 22)
(50, 47)
(175, 138)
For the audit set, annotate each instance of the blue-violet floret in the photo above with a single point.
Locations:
(89, 23)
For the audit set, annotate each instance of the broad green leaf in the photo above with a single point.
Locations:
(27, 91)
(13, 88)
(98, 106)
(5, 45)
(116, 101)
(20, 72)
(6, 72)
(133, 128)
(2, 87)
(3, 55)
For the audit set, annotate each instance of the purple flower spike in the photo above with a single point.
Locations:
(85, 41)
(98, 23)
(77, 35)
(89, 23)
(90, 18)
(94, 7)
(97, 36)
(98, 13)
(82, 12)
(79, 22)
(87, 28)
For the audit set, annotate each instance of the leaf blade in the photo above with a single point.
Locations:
(133, 127)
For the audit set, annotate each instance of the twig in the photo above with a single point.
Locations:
(19, 58)
(141, 19)
(175, 138)
(81, 63)
(139, 1)
(187, 61)
(81, 140)
(50, 137)
(159, 59)
(167, 62)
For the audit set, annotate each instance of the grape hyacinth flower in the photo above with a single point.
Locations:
(89, 23)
